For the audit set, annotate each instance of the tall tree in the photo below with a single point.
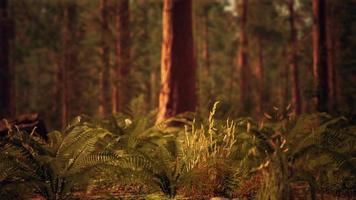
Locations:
(293, 62)
(105, 98)
(121, 89)
(260, 76)
(242, 59)
(178, 64)
(333, 30)
(68, 56)
(5, 75)
(320, 57)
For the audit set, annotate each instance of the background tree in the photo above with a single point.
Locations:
(320, 56)
(105, 79)
(122, 91)
(242, 59)
(296, 101)
(178, 65)
(37, 55)
(5, 73)
(69, 56)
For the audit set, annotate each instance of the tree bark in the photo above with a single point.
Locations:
(242, 61)
(122, 91)
(320, 56)
(332, 30)
(105, 98)
(68, 56)
(5, 73)
(146, 59)
(260, 77)
(293, 63)
(206, 52)
(178, 64)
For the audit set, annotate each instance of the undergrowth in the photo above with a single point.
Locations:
(227, 158)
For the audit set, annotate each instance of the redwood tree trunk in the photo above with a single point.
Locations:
(68, 56)
(296, 102)
(122, 55)
(242, 62)
(332, 30)
(105, 98)
(320, 64)
(178, 64)
(5, 80)
(260, 77)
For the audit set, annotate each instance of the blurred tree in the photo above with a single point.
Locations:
(69, 55)
(122, 86)
(5, 73)
(242, 60)
(345, 47)
(104, 89)
(333, 30)
(320, 55)
(178, 64)
(296, 99)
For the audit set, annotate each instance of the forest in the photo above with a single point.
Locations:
(178, 99)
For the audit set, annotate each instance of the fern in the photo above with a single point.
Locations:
(291, 142)
(54, 168)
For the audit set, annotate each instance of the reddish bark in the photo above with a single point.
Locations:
(68, 56)
(122, 90)
(178, 64)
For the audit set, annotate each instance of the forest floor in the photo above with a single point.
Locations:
(132, 193)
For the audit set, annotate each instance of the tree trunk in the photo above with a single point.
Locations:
(68, 56)
(260, 77)
(105, 98)
(242, 62)
(5, 74)
(320, 57)
(206, 52)
(146, 59)
(293, 63)
(178, 64)
(332, 30)
(122, 55)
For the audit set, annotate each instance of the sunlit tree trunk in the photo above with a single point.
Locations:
(5, 73)
(293, 63)
(122, 91)
(242, 60)
(178, 64)
(320, 58)
(105, 96)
